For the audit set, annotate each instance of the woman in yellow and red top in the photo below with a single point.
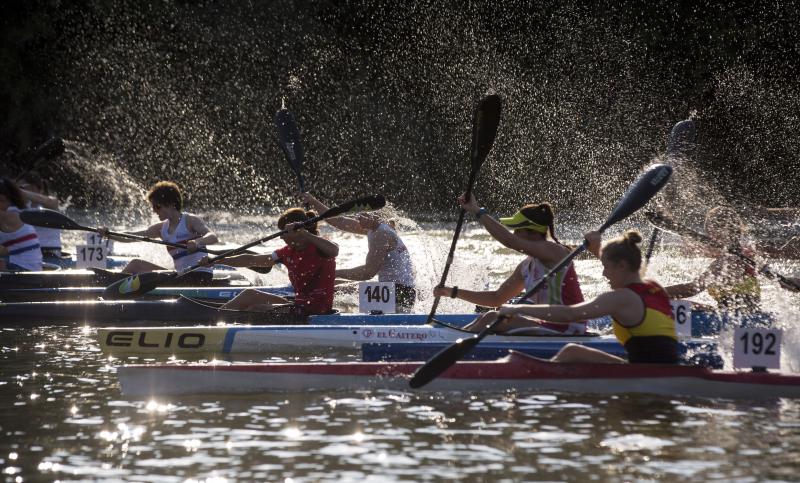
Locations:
(310, 261)
(641, 312)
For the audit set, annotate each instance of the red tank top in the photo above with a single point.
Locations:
(312, 276)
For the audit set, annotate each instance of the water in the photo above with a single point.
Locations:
(62, 416)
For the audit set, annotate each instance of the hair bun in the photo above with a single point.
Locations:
(633, 237)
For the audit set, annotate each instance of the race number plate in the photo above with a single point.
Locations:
(94, 239)
(90, 256)
(757, 348)
(682, 314)
(376, 296)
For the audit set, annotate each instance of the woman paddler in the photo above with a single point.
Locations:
(310, 260)
(729, 280)
(20, 250)
(387, 255)
(533, 235)
(176, 226)
(641, 311)
(34, 189)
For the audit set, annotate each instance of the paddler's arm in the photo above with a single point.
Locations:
(327, 248)
(495, 298)
(373, 263)
(343, 223)
(245, 260)
(206, 236)
(153, 231)
(621, 304)
(683, 290)
(40, 199)
(546, 252)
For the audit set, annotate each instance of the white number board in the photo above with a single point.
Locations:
(682, 314)
(90, 256)
(94, 239)
(757, 348)
(376, 296)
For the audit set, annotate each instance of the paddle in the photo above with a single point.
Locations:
(54, 219)
(290, 143)
(681, 138)
(665, 223)
(144, 282)
(485, 122)
(639, 193)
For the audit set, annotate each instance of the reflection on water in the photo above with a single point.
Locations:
(62, 417)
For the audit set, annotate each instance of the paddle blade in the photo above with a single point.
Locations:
(484, 129)
(135, 285)
(289, 140)
(442, 361)
(680, 138)
(367, 203)
(48, 219)
(639, 193)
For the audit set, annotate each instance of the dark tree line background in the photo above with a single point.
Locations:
(383, 92)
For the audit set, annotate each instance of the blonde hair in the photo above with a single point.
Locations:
(625, 248)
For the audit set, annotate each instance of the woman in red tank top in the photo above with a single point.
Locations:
(310, 261)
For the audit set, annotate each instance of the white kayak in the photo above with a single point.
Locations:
(516, 372)
(209, 341)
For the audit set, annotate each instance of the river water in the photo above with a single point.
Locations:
(62, 416)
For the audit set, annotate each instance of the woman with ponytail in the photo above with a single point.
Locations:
(533, 235)
(641, 311)
(310, 261)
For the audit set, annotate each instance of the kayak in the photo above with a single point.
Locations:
(267, 339)
(42, 302)
(271, 340)
(163, 305)
(95, 277)
(699, 351)
(70, 262)
(516, 372)
(188, 310)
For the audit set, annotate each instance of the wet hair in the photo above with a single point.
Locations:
(166, 193)
(541, 213)
(9, 189)
(625, 248)
(35, 179)
(294, 215)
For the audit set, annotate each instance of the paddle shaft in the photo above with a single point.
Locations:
(484, 129)
(451, 254)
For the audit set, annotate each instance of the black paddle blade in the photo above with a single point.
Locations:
(442, 361)
(289, 140)
(366, 203)
(484, 128)
(639, 193)
(48, 219)
(680, 138)
(135, 285)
